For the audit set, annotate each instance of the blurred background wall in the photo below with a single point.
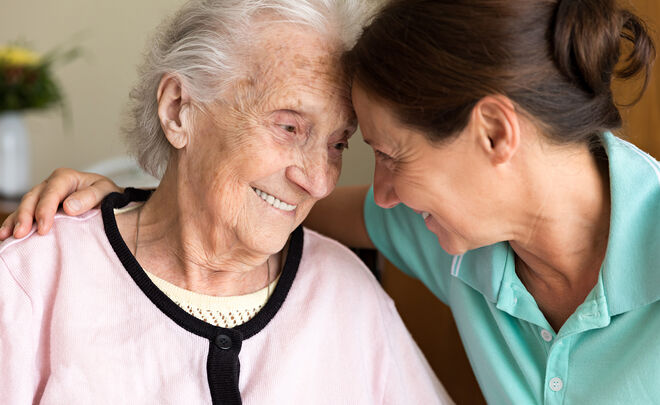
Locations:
(113, 35)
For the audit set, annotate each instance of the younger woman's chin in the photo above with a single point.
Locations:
(452, 246)
(454, 250)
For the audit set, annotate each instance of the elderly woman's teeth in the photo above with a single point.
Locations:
(425, 215)
(274, 201)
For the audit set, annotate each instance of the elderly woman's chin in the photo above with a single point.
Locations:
(267, 239)
(268, 228)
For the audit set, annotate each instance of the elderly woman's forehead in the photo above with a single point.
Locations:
(292, 66)
(278, 45)
(295, 58)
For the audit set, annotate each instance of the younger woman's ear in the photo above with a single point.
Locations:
(498, 128)
(173, 105)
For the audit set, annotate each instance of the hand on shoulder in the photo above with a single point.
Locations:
(77, 191)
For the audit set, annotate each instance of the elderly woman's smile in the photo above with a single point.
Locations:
(274, 201)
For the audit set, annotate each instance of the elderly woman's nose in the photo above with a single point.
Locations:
(384, 194)
(316, 178)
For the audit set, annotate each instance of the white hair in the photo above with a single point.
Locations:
(200, 44)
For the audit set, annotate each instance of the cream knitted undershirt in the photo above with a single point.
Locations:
(226, 312)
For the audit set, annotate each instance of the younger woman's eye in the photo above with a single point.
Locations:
(382, 155)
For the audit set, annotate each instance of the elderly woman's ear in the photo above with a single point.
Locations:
(173, 107)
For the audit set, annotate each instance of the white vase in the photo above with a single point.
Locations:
(14, 155)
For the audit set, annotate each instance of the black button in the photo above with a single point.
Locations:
(223, 342)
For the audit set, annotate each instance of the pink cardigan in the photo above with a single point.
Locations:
(81, 323)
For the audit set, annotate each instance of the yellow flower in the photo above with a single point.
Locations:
(15, 56)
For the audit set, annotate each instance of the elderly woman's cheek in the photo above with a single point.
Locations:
(334, 170)
(322, 168)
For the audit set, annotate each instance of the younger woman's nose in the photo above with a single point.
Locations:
(384, 194)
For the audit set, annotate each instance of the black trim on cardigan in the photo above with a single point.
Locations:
(223, 365)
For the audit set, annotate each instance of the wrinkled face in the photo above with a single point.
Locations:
(444, 183)
(272, 147)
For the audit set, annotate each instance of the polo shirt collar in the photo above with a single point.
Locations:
(483, 269)
(631, 269)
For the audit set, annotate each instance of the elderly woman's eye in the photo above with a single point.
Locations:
(341, 146)
(288, 128)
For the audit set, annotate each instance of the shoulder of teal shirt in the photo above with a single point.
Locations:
(631, 269)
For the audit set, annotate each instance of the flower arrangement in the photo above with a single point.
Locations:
(26, 78)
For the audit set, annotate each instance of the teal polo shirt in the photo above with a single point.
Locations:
(607, 352)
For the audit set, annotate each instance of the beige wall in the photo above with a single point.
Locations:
(113, 34)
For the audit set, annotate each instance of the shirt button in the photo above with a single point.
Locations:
(223, 342)
(556, 384)
(547, 336)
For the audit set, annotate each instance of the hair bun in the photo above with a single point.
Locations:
(587, 43)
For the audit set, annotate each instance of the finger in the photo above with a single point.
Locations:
(84, 200)
(25, 212)
(7, 226)
(47, 205)
(60, 184)
(64, 181)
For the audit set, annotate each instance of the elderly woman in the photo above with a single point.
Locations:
(208, 290)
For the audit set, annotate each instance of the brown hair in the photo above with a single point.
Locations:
(431, 61)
